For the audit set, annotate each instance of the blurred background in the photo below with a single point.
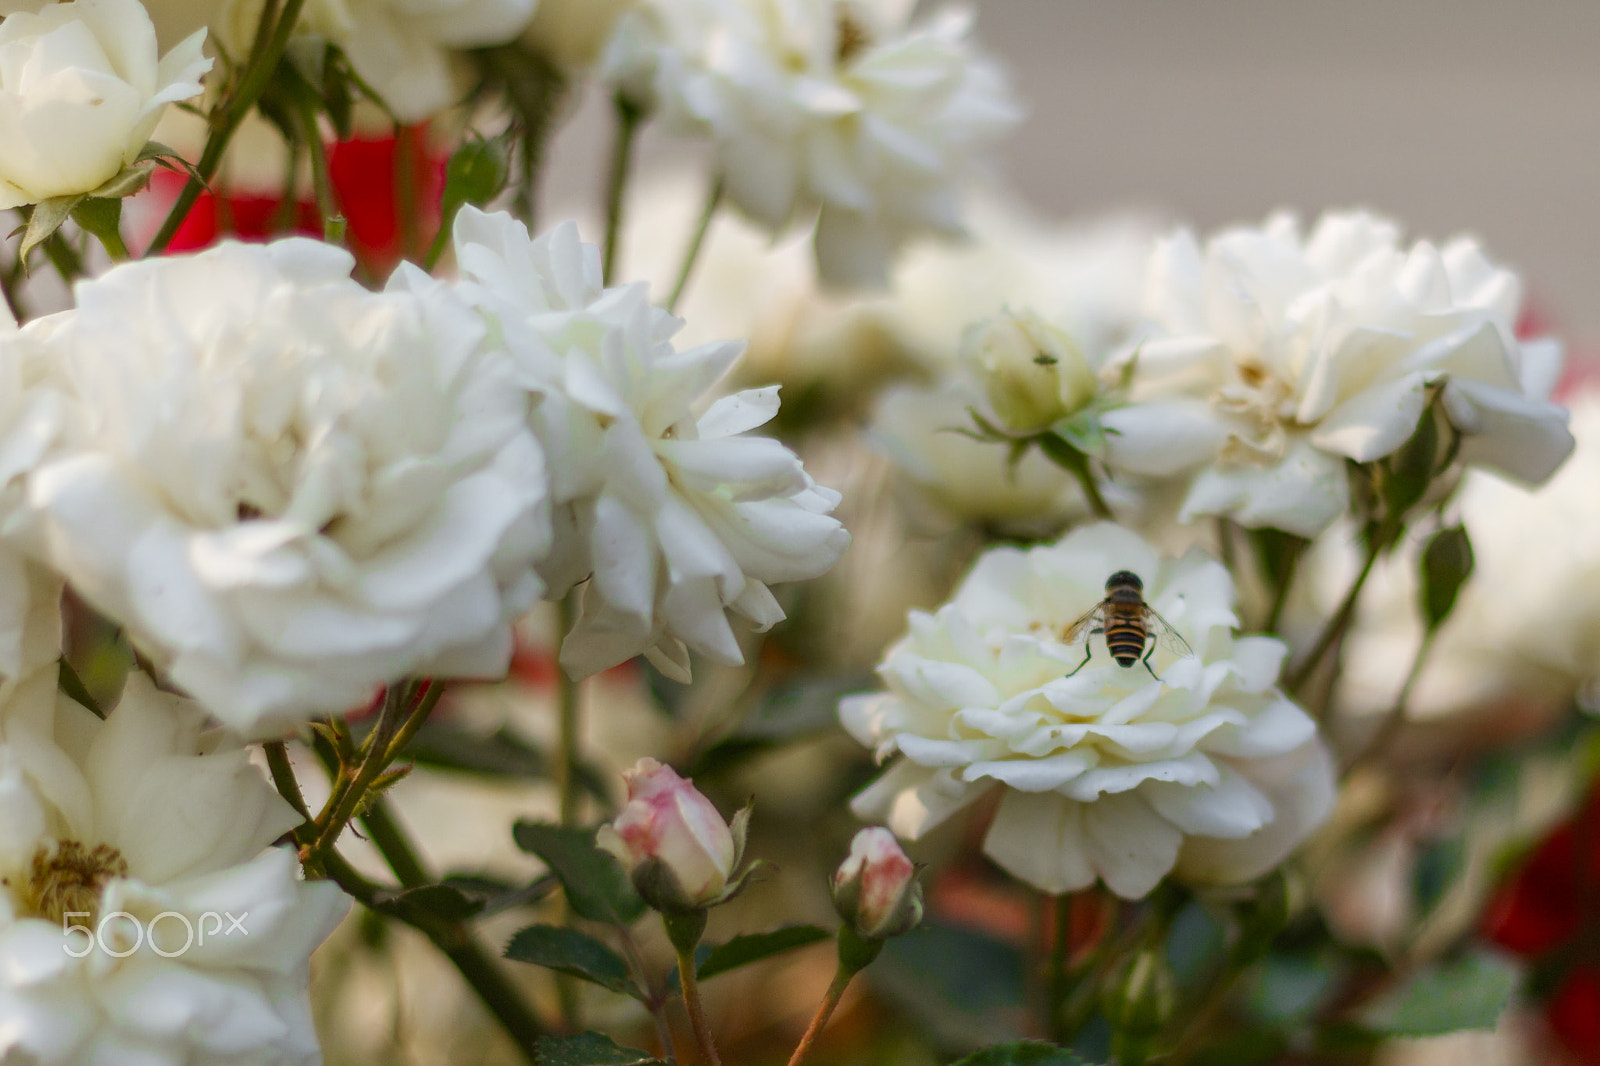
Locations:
(1449, 115)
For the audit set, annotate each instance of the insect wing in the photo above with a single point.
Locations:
(1085, 622)
(1165, 635)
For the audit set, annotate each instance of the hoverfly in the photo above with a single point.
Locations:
(1128, 624)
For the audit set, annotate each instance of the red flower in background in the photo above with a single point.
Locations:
(1549, 911)
(366, 174)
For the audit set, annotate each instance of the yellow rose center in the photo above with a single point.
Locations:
(69, 880)
(1261, 406)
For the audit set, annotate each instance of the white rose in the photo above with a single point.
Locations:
(678, 516)
(80, 90)
(1275, 358)
(145, 815)
(1108, 772)
(573, 32)
(288, 489)
(823, 105)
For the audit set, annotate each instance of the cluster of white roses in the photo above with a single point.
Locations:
(289, 491)
(1257, 367)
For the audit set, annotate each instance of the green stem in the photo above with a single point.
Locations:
(629, 117)
(333, 223)
(1396, 716)
(392, 842)
(654, 999)
(697, 1010)
(283, 780)
(407, 198)
(696, 242)
(64, 257)
(396, 726)
(258, 73)
(569, 712)
(476, 966)
(1056, 989)
(1339, 622)
(1280, 598)
(830, 1000)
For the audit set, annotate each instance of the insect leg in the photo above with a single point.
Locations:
(1085, 662)
(1146, 661)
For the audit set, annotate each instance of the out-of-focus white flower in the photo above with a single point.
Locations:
(875, 889)
(405, 49)
(673, 516)
(573, 32)
(32, 413)
(288, 489)
(81, 88)
(125, 846)
(834, 105)
(1209, 772)
(675, 845)
(972, 480)
(1525, 629)
(1032, 372)
(1276, 357)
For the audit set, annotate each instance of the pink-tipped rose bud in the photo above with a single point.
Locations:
(875, 888)
(678, 850)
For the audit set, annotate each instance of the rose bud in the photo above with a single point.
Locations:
(875, 889)
(1032, 372)
(677, 849)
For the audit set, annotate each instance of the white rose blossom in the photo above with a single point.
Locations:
(673, 517)
(1277, 356)
(834, 105)
(290, 490)
(32, 412)
(149, 832)
(81, 88)
(1209, 773)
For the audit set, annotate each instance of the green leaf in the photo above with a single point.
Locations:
(1083, 431)
(47, 217)
(753, 947)
(1446, 565)
(790, 711)
(445, 746)
(125, 182)
(964, 987)
(499, 895)
(442, 901)
(588, 1049)
(1466, 993)
(1439, 868)
(594, 881)
(571, 952)
(1285, 989)
(1410, 470)
(1022, 1053)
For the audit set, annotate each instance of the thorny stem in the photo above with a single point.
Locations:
(476, 966)
(697, 1010)
(1339, 622)
(264, 57)
(389, 737)
(692, 254)
(629, 117)
(830, 1000)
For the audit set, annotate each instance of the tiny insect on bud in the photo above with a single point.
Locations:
(1032, 372)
